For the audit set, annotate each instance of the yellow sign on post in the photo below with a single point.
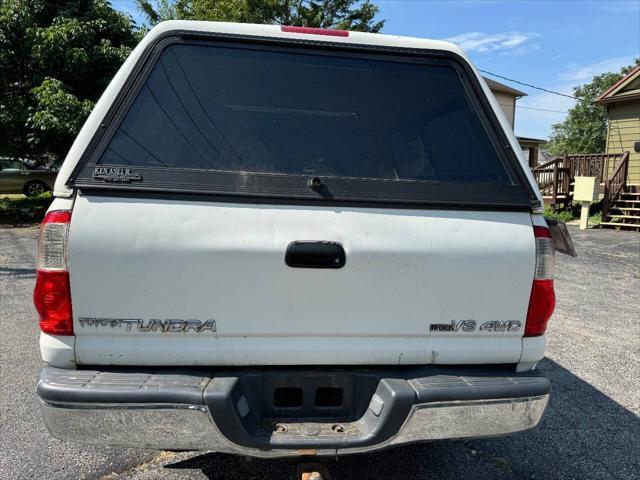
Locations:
(586, 190)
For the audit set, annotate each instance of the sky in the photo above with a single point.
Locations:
(554, 44)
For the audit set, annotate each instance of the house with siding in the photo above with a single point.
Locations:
(618, 168)
(622, 101)
(506, 97)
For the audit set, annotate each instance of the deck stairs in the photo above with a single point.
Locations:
(624, 213)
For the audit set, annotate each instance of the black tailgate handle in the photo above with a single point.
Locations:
(315, 254)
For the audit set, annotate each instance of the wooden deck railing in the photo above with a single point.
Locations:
(553, 179)
(556, 176)
(593, 164)
(615, 185)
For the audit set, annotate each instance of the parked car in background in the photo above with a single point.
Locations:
(22, 176)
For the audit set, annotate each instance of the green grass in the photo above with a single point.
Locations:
(595, 219)
(18, 209)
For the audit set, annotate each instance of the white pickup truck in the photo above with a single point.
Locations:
(282, 241)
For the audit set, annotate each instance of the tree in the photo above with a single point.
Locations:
(584, 130)
(338, 14)
(56, 58)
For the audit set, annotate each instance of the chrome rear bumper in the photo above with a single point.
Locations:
(159, 423)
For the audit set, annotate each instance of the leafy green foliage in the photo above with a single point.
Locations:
(561, 215)
(572, 212)
(584, 130)
(16, 209)
(595, 219)
(58, 115)
(339, 14)
(56, 58)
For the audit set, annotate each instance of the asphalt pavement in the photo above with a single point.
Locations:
(591, 428)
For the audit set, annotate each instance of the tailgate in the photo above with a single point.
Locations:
(150, 276)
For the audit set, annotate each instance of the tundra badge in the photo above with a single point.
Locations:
(172, 325)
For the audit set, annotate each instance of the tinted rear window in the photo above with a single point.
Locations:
(215, 108)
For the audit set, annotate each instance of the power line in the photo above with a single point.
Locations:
(508, 105)
(541, 109)
(528, 84)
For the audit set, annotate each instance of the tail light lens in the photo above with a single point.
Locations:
(543, 297)
(52, 294)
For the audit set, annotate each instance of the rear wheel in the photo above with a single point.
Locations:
(33, 188)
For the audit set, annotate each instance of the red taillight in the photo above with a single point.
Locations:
(541, 305)
(52, 294)
(315, 31)
(541, 232)
(52, 298)
(543, 299)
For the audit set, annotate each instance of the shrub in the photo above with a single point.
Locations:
(561, 215)
(572, 212)
(21, 209)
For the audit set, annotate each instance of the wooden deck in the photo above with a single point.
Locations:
(620, 205)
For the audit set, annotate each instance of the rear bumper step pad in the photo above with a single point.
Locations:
(262, 412)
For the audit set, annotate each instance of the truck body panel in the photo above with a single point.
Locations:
(405, 270)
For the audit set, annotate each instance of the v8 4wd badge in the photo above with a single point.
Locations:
(470, 326)
(501, 326)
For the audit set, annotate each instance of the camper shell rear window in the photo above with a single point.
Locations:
(245, 119)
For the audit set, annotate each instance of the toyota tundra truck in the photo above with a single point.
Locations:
(280, 241)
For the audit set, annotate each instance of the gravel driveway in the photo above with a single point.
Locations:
(591, 429)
